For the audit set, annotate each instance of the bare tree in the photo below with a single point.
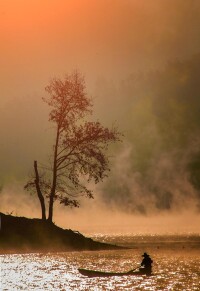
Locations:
(79, 152)
(37, 184)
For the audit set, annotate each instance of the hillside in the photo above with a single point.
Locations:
(20, 234)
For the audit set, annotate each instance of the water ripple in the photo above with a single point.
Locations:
(173, 270)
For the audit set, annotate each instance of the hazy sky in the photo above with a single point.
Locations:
(107, 40)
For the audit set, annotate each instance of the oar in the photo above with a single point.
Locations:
(134, 269)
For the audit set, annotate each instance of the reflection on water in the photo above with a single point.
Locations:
(174, 268)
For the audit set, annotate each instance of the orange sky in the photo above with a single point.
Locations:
(102, 38)
(107, 37)
(47, 37)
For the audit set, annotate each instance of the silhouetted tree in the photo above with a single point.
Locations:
(79, 151)
(36, 184)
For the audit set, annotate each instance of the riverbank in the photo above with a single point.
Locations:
(21, 234)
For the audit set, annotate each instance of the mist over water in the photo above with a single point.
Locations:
(158, 169)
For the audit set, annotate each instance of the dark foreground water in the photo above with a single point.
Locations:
(176, 266)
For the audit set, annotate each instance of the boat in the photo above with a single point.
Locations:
(93, 273)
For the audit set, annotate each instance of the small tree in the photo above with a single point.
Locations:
(79, 150)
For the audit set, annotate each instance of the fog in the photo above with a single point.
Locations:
(141, 63)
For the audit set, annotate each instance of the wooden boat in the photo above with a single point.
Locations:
(93, 273)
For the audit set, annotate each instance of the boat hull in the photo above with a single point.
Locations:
(92, 273)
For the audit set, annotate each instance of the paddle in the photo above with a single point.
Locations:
(134, 269)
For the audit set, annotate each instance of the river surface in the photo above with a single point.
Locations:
(176, 266)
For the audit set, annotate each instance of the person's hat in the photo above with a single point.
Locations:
(145, 255)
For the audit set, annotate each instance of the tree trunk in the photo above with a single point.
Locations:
(39, 193)
(53, 188)
(50, 217)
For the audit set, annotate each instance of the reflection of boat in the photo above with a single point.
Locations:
(92, 273)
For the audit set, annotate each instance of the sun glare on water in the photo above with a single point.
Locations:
(174, 268)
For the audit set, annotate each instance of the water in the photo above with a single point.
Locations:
(176, 266)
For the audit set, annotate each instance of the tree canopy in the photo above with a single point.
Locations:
(79, 150)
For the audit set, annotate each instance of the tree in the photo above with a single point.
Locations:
(36, 184)
(80, 146)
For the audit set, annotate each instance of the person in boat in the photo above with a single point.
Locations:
(146, 265)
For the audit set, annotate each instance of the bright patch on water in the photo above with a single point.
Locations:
(176, 267)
